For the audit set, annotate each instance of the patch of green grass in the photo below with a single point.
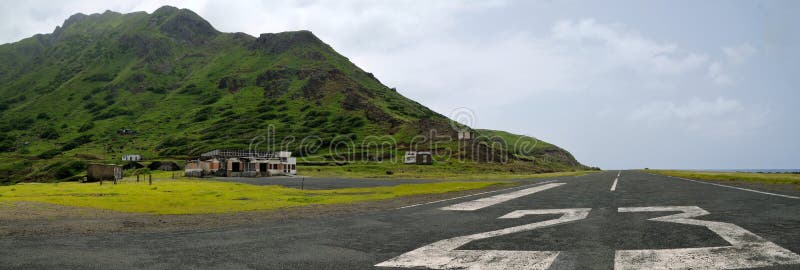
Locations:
(768, 178)
(199, 197)
(439, 171)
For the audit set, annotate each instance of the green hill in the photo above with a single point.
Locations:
(184, 88)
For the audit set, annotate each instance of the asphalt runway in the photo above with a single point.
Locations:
(608, 220)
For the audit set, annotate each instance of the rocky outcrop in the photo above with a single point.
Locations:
(276, 43)
(187, 26)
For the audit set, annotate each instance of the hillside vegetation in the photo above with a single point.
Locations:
(168, 85)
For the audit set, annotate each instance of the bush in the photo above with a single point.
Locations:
(156, 90)
(49, 154)
(49, 133)
(6, 143)
(191, 89)
(171, 142)
(86, 127)
(113, 112)
(203, 115)
(23, 123)
(100, 77)
(74, 143)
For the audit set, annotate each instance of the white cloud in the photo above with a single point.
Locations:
(739, 54)
(720, 116)
(717, 74)
(574, 56)
(627, 48)
(734, 57)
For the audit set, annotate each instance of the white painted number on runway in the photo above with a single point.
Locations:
(489, 201)
(443, 254)
(747, 250)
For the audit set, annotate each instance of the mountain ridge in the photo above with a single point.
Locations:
(186, 88)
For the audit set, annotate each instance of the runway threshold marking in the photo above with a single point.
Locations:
(744, 189)
(747, 250)
(476, 194)
(500, 198)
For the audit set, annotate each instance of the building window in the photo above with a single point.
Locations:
(235, 166)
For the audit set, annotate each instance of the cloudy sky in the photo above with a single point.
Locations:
(620, 84)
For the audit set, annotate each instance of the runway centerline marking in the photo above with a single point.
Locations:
(476, 194)
(614, 185)
(744, 189)
(500, 198)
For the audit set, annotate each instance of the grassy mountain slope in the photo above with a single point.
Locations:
(185, 88)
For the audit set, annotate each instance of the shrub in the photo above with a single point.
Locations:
(191, 89)
(74, 143)
(49, 154)
(203, 115)
(113, 112)
(49, 133)
(86, 127)
(6, 143)
(100, 77)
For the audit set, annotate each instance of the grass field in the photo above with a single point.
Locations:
(440, 171)
(199, 197)
(769, 178)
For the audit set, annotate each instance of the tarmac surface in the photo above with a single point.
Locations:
(608, 220)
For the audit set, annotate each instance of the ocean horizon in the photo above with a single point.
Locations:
(749, 170)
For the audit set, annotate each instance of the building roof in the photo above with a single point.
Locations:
(238, 153)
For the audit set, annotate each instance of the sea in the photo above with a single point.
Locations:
(752, 170)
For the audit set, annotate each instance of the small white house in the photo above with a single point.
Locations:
(466, 135)
(410, 158)
(131, 157)
(419, 158)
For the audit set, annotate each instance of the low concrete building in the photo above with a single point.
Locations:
(242, 163)
(466, 135)
(418, 157)
(108, 172)
(131, 157)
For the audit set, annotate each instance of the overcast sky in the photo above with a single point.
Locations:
(620, 84)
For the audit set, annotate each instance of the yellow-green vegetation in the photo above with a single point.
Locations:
(439, 171)
(770, 178)
(199, 197)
